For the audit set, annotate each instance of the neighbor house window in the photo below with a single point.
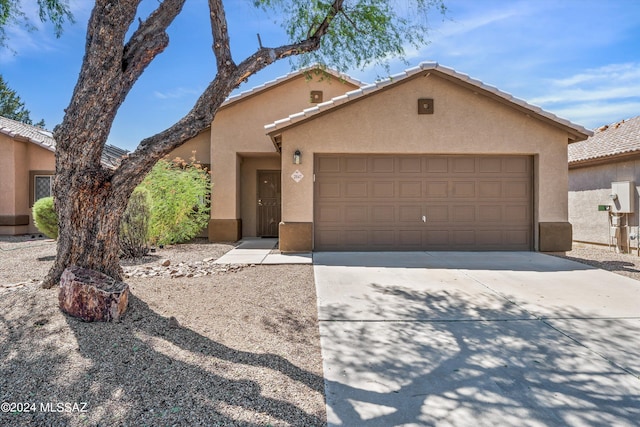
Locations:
(42, 186)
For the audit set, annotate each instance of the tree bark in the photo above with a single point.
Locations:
(89, 212)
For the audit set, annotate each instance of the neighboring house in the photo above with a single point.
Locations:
(27, 165)
(429, 159)
(611, 155)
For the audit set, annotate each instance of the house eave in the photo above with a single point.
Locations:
(629, 155)
(575, 133)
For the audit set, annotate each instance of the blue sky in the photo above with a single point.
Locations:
(579, 59)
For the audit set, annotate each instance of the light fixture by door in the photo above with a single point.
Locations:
(296, 157)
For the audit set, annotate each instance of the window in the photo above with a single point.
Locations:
(42, 186)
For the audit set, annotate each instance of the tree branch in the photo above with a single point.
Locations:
(220, 33)
(322, 29)
(148, 41)
(135, 166)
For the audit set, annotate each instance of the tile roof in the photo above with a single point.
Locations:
(614, 140)
(577, 132)
(254, 90)
(33, 134)
(111, 154)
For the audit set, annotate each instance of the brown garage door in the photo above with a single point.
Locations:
(422, 202)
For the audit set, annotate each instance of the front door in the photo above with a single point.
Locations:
(268, 217)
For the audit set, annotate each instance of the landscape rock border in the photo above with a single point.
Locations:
(164, 268)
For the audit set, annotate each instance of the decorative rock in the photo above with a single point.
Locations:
(165, 262)
(92, 296)
(205, 267)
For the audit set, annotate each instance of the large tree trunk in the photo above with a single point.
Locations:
(89, 211)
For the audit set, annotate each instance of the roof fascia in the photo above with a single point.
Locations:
(425, 70)
(279, 81)
(601, 160)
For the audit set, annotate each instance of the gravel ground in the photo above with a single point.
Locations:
(240, 347)
(604, 258)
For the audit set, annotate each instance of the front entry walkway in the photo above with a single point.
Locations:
(261, 251)
(477, 339)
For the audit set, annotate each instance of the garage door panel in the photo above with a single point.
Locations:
(383, 165)
(356, 165)
(328, 164)
(385, 214)
(516, 189)
(489, 189)
(490, 213)
(410, 213)
(463, 238)
(517, 237)
(328, 190)
(516, 165)
(423, 202)
(463, 189)
(383, 189)
(356, 237)
(463, 165)
(408, 165)
(329, 214)
(437, 189)
(408, 238)
(382, 237)
(437, 238)
(353, 189)
(490, 165)
(437, 214)
(437, 165)
(491, 237)
(356, 214)
(464, 213)
(410, 189)
(516, 214)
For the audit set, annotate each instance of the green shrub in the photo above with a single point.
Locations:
(45, 217)
(134, 225)
(180, 194)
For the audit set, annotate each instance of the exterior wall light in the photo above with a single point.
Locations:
(296, 157)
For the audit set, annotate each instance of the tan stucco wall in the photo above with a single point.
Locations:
(17, 160)
(463, 122)
(238, 134)
(249, 167)
(7, 176)
(200, 144)
(591, 186)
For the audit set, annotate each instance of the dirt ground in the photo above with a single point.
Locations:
(238, 347)
(235, 348)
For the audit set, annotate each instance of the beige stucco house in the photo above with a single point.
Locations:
(606, 163)
(27, 166)
(245, 165)
(429, 159)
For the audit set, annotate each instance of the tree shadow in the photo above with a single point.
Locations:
(146, 369)
(606, 265)
(461, 364)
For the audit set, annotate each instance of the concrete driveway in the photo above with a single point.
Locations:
(477, 339)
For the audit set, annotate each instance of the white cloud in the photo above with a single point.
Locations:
(606, 83)
(41, 38)
(595, 96)
(594, 115)
(613, 72)
(176, 93)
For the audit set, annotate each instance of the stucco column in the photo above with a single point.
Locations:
(225, 224)
(296, 228)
